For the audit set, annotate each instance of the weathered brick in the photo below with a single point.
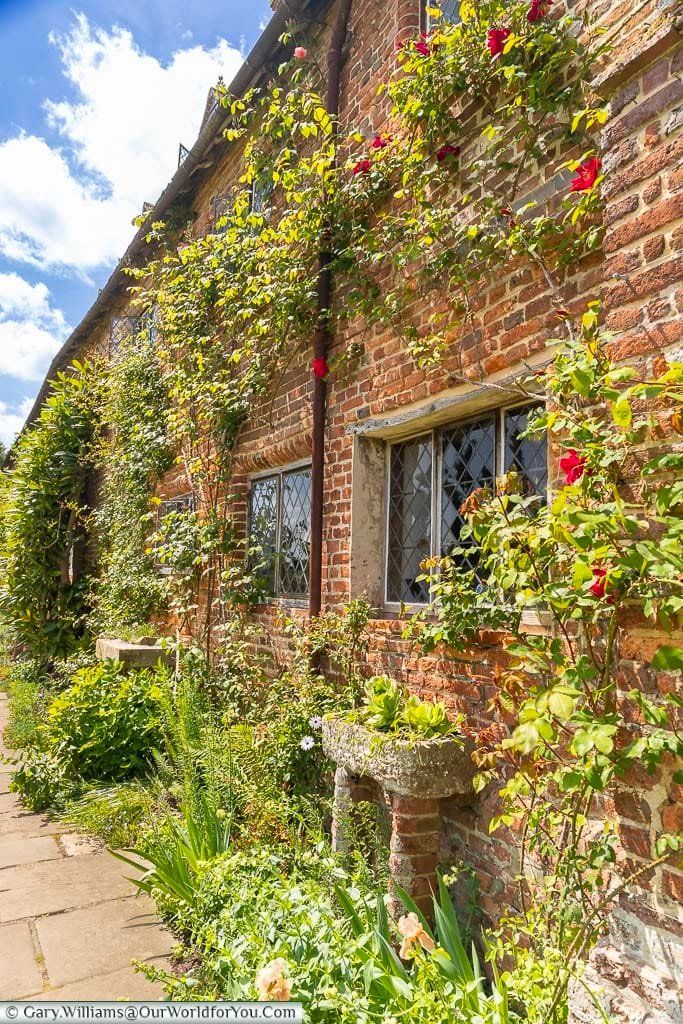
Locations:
(630, 805)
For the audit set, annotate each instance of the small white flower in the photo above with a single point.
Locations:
(307, 743)
(315, 722)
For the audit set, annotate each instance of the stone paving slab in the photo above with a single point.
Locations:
(19, 972)
(31, 890)
(27, 851)
(25, 825)
(69, 923)
(75, 845)
(86, 943)
(123, 984)
(8, 803)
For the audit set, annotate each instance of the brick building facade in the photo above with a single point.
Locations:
(396, 435)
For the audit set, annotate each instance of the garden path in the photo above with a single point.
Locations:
(69, 920)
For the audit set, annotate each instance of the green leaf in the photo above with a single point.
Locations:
(561, 705)
(621, 412)
(668, 659)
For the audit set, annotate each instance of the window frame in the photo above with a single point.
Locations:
(497, 413)
(221, 198)
(138, 324)
(263, 188)
(425, 21)
(294, 600)
(187, 502)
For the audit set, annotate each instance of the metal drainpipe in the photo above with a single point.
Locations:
(321, 341)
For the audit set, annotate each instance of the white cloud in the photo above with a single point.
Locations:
(12, 419)
(31, 329)
(70, 208)
(48, 218)
(20, 298)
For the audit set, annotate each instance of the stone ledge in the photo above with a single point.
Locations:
(133, 655)
(426, 769)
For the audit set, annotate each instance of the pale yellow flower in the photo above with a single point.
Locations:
(413, 933)
(271, 983)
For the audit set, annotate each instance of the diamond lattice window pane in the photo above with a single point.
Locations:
(468, 461)
(527, 455)
(450, 12)
(261, 191)
(295, 533)
(147, 324)
(263, 528)
(410, 519)
(123, 330)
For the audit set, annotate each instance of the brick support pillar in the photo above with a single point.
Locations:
(414, 856)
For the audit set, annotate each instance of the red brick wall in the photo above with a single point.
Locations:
(638, 275)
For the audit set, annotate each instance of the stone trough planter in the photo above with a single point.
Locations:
(433, 768)
(413, 778)
(145, 653)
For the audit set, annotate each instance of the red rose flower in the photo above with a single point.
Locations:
(362, 167)
(496, 40)
(381, 141)
(422, 47)
(572, 465)
(597, 587)
(538, 10)
(320, 367)
(506, 211)
(586, 175)
(300, 52)
(448, 150)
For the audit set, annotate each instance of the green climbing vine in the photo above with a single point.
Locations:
(43, 522)
(131, 452)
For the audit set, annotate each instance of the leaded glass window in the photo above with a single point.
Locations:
(280, 531)
(430, 478)
(468, 461)
(123, 331)
(263, 528)
(295, 532)
(528, 456)
(127, 332)
(170, 513)
(410, 519)
(450, 12)
(261, 191)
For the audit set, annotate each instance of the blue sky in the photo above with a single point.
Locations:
(94, 98)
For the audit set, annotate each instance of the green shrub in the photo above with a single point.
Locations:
(106, 724)
(252, 908)
(103, 728)
(43, 520)
(325, 934)
(44, 781)
(28, 700)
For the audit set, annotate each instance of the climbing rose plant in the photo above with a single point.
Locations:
(604, 553)
(427, 209)
(487, 163)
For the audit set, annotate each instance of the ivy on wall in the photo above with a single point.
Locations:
(131, 453)
(43, 521)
